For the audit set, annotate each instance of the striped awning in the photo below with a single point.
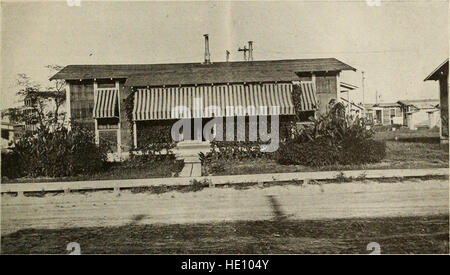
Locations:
(308, 100)
(105, 103)
(214, 100)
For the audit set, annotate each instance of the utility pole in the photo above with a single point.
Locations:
(245, 50)
(363, 80)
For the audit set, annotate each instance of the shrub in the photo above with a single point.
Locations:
(319, 152)
(11, 165)
(211, 163)
(56, 153)
(362, 152)
(334, 138)
(155, 142)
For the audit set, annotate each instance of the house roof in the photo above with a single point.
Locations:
(209, 76)
(353, 104)
(198, 73)
(439, 72)
(421, 103)
(381, 105)
(348, 86)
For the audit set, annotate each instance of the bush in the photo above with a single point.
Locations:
(362, 152)
(55, 153)
(211, 163)
(155, 142)
(334, 138)
(11, 165)
(315, 153)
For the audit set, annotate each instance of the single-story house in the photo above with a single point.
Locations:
(351, 108)
(441, 74)
(10, 130)
(384, 113)
(420, 113)
(97, 94)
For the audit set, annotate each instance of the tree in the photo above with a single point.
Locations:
(58, 90)
(37, 101)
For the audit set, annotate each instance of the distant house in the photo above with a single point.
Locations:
(10, 130)
(351, 108)
(96, 94)
(420, 113)
(384, 113)
(441, 74)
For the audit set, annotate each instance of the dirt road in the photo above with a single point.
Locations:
(326, 201)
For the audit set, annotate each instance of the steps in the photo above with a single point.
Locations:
(189, 151)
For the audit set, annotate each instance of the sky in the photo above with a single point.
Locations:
(396, 44)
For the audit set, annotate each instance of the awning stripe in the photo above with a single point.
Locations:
(105, 104)
(308, 100)
(159, 103)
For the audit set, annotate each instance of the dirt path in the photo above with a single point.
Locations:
(327, 201)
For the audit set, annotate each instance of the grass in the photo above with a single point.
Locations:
(404, 149)
(399, 235)
(115, 171)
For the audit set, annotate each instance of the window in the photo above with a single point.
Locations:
(392, 112)
(5, 134)
(108, 123)
(306, 116)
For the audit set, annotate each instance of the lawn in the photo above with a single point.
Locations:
(400, 235)
(114, 171)
(404, 149)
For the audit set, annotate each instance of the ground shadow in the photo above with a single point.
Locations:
(395, 235)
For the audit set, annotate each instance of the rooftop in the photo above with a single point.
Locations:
(198, 73)
(420, 103)
(439, 72)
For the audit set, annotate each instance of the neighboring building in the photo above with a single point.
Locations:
(384, 113)
(351, 107)
(441, 74)
(420, 113)
(96, 94)
(10, 130)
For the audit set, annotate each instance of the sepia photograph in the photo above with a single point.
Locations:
(215, 128)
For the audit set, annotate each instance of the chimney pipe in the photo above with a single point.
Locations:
(228, 55)
(250, 50)
(207, 55)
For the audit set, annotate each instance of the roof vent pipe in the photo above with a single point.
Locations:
(250, 50)
(207, 55)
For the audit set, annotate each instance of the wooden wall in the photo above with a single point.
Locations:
(443, 86)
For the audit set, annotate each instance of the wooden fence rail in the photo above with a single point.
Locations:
(116, 185)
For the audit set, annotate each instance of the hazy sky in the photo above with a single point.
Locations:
(397, 44)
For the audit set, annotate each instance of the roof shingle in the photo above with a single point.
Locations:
(198, 73)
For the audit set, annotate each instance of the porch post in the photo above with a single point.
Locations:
(313, 79)
(134, 134)
(68, 110)
(95, 120)
(119, 130)
(338, 88)
(96, 131)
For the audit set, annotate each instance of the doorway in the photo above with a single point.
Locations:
(379, 116)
